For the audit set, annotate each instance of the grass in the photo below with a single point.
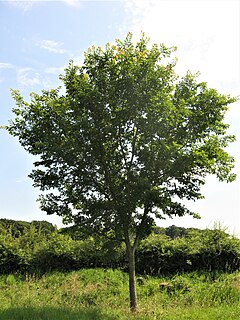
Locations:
(103, 294)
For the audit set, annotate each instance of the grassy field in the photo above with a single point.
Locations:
(103, 294)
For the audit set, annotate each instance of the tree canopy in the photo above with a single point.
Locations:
(126, 142)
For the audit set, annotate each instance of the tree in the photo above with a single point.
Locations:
(126, 142)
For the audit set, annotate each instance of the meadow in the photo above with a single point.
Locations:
(102, 294)
(50, 274)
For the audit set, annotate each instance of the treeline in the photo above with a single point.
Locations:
(40, 247)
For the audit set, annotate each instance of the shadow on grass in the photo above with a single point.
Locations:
(52, 313)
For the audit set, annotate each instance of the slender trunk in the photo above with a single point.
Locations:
(132, 278)
(131, 249)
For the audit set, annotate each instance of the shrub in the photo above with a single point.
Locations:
(202, 250)
(40, 250)
(9, 261)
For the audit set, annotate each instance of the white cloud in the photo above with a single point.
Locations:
(28, 77)
(27, 5)
(138, 8)
(23, 5)
(55, 71)
(4, 65)
(78, 61)
(207, 34)
(5, 69)
(72, 3)
(51, 46)
(22, 180)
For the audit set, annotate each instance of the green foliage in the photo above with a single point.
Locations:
(9, 260)
(38, 251)
(176, 232)
(209, 250)
(127, 141)
(17, 228)
(217, 251)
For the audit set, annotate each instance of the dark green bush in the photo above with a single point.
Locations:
(217, 251)
(160, 255)
(41, 249)
(9, 261)
(200, 250)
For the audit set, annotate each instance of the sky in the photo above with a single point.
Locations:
(38, 38)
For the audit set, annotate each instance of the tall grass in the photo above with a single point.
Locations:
(103, 294)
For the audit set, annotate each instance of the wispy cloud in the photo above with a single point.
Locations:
(51, 46)
(21, 180)
(5, 65)
(55, 70)
(28, 77)
(72, 3)
(27, 5)
(23, 5)
(204, 41)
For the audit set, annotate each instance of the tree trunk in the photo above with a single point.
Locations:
(132, 278)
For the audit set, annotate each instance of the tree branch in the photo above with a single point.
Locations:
(135, 130)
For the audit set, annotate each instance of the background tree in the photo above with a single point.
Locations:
(125, 143)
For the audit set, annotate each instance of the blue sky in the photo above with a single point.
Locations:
(38, 38)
